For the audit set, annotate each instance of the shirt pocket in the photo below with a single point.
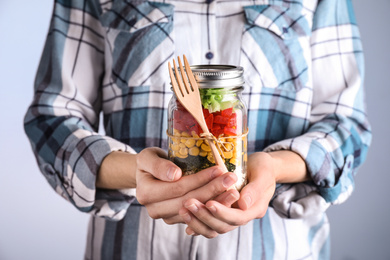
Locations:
(276, 47)
(139, 42)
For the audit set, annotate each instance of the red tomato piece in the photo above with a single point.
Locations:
(221, 120)
(217, 129)
(206, 113)
(216, 126)
(218, 132)
(227, 112)
(232, 120)
(230, 131)
(217, 113)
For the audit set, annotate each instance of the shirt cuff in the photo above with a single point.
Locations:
(82, 155)
(328, 186)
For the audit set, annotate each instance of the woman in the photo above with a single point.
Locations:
(308, 130)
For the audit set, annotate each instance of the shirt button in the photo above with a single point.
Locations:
(209, 55)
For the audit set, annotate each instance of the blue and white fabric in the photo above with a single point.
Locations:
(107, 59)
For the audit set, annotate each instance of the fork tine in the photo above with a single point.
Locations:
(190, 76)
(185, 77)
(179, 80)
(176, 88)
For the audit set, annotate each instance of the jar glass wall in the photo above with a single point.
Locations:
(226, 117)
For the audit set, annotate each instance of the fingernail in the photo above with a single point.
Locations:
(212, 208)
(186, 217)
(171, 173)
(231, 198)
(248, 200)
(228, 181)
(190, 232)
(193, 208)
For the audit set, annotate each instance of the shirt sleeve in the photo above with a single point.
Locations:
(63, 119)
(337, 141)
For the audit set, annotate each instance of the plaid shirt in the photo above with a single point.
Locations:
(303, 64)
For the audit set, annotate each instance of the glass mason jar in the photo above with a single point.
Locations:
(225, 113)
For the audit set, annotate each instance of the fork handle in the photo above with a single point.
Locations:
(217, 157)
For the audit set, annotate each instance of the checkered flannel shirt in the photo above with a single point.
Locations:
(304, 75)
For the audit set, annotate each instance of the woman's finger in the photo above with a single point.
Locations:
(195, 226)
(228, 198)
(230, 216)
(166, 208)
(152, 190)
(203, 222)
(174, 220)
(214, 188)
(155, 161)
(253, 203)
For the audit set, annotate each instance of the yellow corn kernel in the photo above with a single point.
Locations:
(210, 157)
(228, 146)
(175, 147)
(190, 143)
(228, 155)
(234, 161)
(229, 139)
(181, 155)
(175, 140)
(210, 154)
(194, 151)
(176, 132)
(199, 143)
(194, 134)
(185, 134)
(202, 153)
(183, 140)
(205, 147)
(181, 145)
(183, 151)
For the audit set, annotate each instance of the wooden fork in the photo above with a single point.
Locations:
(187, 92)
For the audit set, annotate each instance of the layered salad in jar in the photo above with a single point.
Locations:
(225, 116)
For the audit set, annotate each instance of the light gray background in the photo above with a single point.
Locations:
(35, 223)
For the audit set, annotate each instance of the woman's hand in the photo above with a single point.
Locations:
(162, 189)
(159, 182)
(213, 218)
(264, 171)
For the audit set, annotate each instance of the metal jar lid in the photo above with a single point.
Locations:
(218, 76)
